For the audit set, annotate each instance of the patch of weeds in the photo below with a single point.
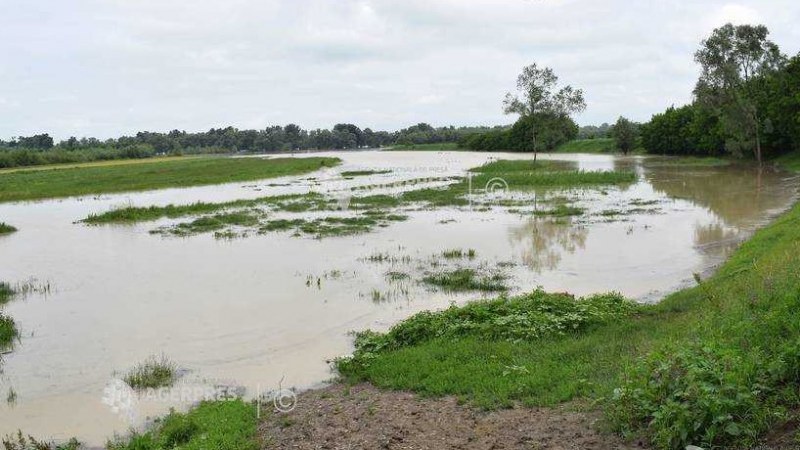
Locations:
(155, 372)
(458, 253)
(467, 279)
(211, 223)
(8, 330)
(6, 228)
(361, 173)
(20, 442)
(218, 425)
(11, 397)
(561, 210)
(397, 276)
(6, 292)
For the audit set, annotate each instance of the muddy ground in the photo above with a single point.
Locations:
(363, 417)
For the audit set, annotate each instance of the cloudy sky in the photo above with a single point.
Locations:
(109, 67)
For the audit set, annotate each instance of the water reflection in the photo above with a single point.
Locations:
(543, 241)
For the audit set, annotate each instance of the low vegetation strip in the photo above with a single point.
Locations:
(40, 184)
(218, 425)
(8, 328)
(716, 364)
(6, 228)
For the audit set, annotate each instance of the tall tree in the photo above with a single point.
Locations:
(625, 133)
(736, 61)
(538, 95)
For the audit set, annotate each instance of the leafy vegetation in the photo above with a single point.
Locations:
(50, 183)
(155, 372)
(745, 101)
(40, 149)
(467, 279)
(6, 228)
(218, 425)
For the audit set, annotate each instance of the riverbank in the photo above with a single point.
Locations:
(40, 183)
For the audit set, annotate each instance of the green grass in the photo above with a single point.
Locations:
(561, 210)
(217, 425)
(710, 365)
(362, 173)
(685, 161)
(52, 183)
(153, 373)
(790, 161)
(443, 146)
(467, 279)
(6, 228)
(458, 253)
(597, 145)
(8, 328)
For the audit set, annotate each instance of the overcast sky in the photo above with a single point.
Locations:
(110, 67)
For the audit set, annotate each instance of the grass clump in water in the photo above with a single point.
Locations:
(560, 210)
(467, 279)
(153, 373)
(361, 173)
(458, 253)
(8, 330)
(212, 223)
(6, 228)
(218, 425)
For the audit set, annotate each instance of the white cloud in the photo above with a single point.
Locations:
(106, 67)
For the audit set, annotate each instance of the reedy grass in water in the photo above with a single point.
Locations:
(6, 228)
(154, 372)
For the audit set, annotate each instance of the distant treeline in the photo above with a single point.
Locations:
(41, 149)
(552, 130)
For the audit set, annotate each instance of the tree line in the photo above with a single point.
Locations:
(746, 101)
(42, 149)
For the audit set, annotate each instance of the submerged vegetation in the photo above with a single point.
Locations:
(467, 279)
(8, 328)
(66, 182)
(6, 228)
(20, 442)
(155, 372)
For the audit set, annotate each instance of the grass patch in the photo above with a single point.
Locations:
(467, 279)
(790, 161)
(6, 292)
(442, 146)
(561, 210)
(8, 330)
(216, 222)
(218, 425)
(363, 173)
(687, 161)
(458, 253)
(597, 145)
(6, 228)
(52, 183)
(334, 226)
(155, 372)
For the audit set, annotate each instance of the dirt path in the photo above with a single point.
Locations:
(363, 417)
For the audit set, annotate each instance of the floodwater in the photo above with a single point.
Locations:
(266, 311)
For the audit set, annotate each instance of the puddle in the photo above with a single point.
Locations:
(267, 311)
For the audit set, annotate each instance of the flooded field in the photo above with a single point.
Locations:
(258, 312)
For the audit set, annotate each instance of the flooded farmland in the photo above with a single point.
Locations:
(261, 311)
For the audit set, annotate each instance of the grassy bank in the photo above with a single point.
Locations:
(442, 146)
(218, 425)
(711, 365)
(66, 182)
(597, 145)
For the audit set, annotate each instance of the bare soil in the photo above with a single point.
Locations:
(364, 417)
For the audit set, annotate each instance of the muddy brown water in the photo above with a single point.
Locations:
(249, 312)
